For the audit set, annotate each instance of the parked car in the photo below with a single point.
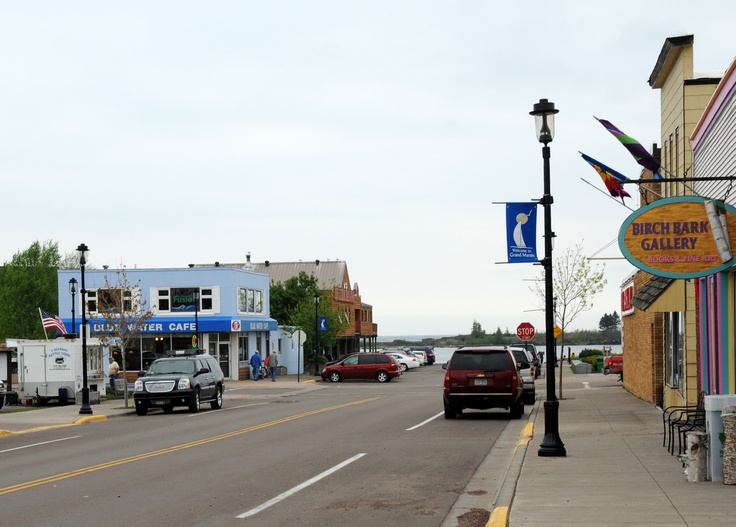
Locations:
(2, 394)
(406, 362)
(614, 364)
(183, 378)
(429, 352)
(419, 354)
(380, 366)
(482, 377)
(536, 356)
(524, 360)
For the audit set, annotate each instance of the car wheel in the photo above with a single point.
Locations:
(194, 404)
(141, 409)
(168, 408)
(530, 398)
(450, 412)
(217, 403)
(334, 376)
(517, 410)
(383, 376)
(404, 367)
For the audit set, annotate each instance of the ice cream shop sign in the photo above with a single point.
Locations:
(682, 237)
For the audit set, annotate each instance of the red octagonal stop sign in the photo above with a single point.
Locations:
(525, 331)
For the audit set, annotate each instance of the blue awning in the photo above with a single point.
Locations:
(187, 324)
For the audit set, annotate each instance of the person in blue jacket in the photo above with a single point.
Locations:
(255, 364)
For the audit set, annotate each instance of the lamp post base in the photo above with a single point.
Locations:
(552, 445)
(85, 409)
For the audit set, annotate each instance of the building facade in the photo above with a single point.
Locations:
(227, 309)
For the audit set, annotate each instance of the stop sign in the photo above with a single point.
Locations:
(525, 331)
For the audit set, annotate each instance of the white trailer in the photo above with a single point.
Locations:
(52, 369)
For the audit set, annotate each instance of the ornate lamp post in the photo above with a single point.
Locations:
(85, 409)
(316, 332)
(544, 119)
(73, 291)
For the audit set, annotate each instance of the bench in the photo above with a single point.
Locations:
(677, 421)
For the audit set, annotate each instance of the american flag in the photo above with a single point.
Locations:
(52, 321)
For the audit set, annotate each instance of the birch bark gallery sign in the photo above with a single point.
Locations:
(681, 237)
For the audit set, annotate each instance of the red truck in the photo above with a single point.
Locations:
(614, 364)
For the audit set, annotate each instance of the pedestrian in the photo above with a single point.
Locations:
(255, 364)
(273, 361)
(112, 371)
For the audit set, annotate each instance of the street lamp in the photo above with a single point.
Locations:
(551, 446)
(85, 409)
(73, 291)
(316, 332)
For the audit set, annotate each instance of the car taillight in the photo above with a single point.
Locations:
(532, 368)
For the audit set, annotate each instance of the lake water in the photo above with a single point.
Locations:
(443, 354)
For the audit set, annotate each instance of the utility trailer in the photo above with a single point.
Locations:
(51, 370)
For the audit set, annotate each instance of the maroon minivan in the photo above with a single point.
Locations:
(482, 377)
(380, 366)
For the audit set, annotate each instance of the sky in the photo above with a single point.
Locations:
(387, 134)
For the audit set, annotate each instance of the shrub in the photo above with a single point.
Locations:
(589, 353)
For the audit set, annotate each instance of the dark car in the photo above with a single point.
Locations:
(2, 394)
(183, 378)
(482, 377)
(380, 366)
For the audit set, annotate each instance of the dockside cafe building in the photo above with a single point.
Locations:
(227, 307)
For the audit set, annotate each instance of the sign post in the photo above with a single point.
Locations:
(525, 331)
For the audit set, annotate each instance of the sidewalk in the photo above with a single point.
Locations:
(616, 471)
(20, 419)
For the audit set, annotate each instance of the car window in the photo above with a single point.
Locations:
(367, 359)
(382, 359)
(351, 360)
(480, 361)
(171, 366)
(202, 365)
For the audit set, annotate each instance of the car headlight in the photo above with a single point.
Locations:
(138, 385)
(184, 384)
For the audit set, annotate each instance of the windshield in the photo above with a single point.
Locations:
(171, 367)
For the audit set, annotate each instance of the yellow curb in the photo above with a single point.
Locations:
(81, 421)
(499, 517)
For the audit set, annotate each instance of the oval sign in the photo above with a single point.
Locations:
(674, 238)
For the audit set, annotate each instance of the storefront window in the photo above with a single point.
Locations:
(675, 345)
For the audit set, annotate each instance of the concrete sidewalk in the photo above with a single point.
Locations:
(616, 471)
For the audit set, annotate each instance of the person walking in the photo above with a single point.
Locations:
(255, 364)
(273, 361)
(112, 372)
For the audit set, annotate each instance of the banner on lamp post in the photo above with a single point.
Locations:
(521, 232)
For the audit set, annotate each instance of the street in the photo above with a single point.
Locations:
(352, 453)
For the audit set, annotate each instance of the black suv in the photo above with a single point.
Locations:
(183, 378)
(482, 377)
(429, 351)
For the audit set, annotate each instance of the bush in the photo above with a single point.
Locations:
(589, 353)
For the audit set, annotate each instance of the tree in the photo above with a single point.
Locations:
(574, 283)
(124, 312)
(292, 304)
(27, 282)
(610, 322)
(477, 331)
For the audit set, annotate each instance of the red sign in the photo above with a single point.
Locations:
(525, 331)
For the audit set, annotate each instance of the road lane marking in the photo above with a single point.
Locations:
(176, 448)
(424, 422)
(215, 412)
(299, 487)
(39, 444)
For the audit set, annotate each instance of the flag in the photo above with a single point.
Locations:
(52, 321)
(640, 153)
(612, 179)
(521, 232)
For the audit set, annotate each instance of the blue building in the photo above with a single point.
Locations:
(227, 307)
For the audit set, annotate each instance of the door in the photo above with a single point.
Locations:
(224, 358)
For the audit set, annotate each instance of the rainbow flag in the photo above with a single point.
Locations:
(640, 153)
(612, 179)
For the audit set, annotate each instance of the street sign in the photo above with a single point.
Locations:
(557, 331)
(525, 331)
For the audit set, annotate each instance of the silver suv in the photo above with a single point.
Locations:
(527, 371)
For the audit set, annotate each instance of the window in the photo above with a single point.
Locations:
(103, 301)
(163, 300)
(675, 346)
(250, 300)
(186, 299)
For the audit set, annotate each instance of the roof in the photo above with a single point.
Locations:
(329, 274)
(649, 292)
(667, 56)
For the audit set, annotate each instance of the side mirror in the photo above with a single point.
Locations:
(141, 373)
(444, 366)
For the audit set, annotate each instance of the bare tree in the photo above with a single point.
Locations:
(574, 282)
(124, 311)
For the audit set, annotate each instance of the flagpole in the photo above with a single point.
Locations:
(44, 327)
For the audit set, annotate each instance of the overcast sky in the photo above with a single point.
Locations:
(163, 133)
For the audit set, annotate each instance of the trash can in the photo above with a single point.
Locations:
(714, 405)
(599, 364)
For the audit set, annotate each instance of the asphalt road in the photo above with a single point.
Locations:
(354, 453)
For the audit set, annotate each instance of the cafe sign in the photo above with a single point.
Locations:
(681, 237)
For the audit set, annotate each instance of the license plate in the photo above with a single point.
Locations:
(159, 403)
(481, 382)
